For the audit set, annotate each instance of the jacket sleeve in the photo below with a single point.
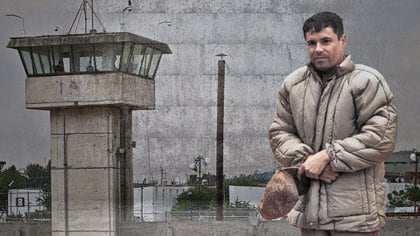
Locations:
(377, 127)
(285, 143)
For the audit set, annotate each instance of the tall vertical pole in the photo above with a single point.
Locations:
(414, 156)
(85, 12)
(91, 11)
(198, 162)
(141, 202)
(415, 182)
(219, 137)
(161, 176)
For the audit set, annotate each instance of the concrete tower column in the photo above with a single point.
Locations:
(87, 159)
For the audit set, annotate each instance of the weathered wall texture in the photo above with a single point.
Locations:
(264, 42)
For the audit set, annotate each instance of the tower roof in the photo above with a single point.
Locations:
(92, 38)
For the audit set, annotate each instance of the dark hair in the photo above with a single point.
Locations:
(321, 20)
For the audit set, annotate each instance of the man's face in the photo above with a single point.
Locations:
(325, 49)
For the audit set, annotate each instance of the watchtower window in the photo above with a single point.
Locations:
(108, 57)
(80, 54)
(25, 55)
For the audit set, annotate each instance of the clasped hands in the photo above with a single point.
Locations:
(317, 166)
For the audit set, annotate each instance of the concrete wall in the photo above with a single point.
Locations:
(263, 41)
(85, 170)
(113, 89)
(215, 228)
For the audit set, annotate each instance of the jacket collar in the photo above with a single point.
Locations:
(345, 67)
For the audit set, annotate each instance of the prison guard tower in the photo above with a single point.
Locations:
(90, 83)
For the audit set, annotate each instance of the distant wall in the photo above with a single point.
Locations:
(226, 228)
(250, 194)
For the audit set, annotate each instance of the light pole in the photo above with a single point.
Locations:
(414, 156)
(23, 22)
(197, 166)
(123, 17)
(166, 22)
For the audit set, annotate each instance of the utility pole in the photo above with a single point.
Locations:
(219, 136)
(161, 176)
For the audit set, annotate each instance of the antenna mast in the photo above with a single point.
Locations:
(83, 10)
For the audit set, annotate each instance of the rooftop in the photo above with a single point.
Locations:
(91, 38)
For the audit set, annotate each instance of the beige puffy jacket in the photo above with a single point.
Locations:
(354, 118)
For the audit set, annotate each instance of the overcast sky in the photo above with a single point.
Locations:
(24, 134)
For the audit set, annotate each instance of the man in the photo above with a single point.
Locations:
(336, 121)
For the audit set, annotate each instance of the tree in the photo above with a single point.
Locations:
(204, 198)
(196, 198)
(12, 179)
(397, 199)
(413, 193)
(402, 197)
(45, 199)
(38, 176)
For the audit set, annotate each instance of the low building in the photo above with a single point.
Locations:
(399, 168)
(152, 203)
(23, 201)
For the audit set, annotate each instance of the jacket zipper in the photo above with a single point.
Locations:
(317, 109)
